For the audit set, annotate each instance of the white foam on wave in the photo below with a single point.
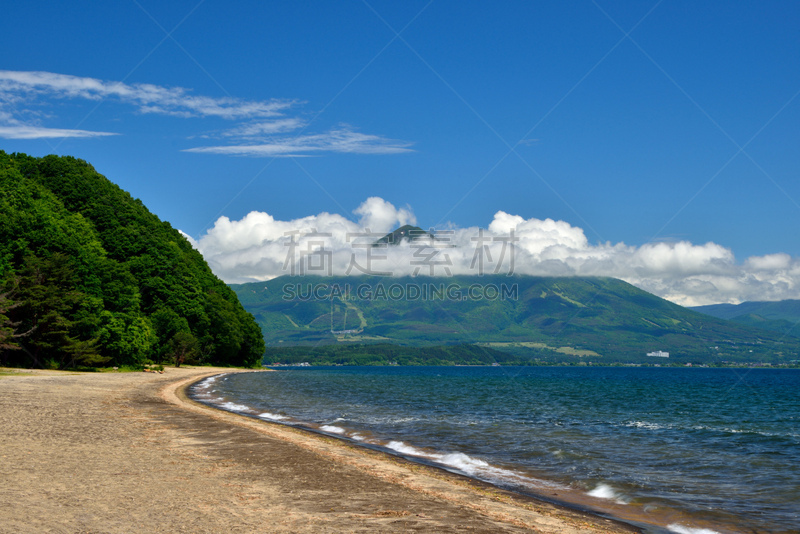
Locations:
(604, 491)
(747, 431)
(212, 379)
(462, 462)
(402, 448)
(272, 416)
(207, 383)
(645, 424)
(680, 529)
(357, 437)
(389, 419)
(471, 466)
(233, 407)
(729, 430)
(332, 429)
(405, 419)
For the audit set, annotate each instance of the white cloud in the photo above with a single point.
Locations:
(770, 262)
(257, 247)
(379, 215)
(148, 97)
(258, 135)
(682, 257)
(342, 140)
(255, 130)
(35, 132)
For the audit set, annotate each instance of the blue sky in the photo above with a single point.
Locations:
(639, 123)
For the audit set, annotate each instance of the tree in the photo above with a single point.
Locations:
(127, 338)
(85, 353)
(183, 347)
(51, 312)
(101, 280)
(8, 329)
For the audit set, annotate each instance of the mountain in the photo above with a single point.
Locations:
(407, 232)
(390, 354)
(574, 319)
(90, 277)
(781, 316)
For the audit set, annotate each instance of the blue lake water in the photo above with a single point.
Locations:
(674, 450)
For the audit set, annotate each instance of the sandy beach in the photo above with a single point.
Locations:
(128, 452)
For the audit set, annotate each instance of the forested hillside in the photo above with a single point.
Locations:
(89, 277)
(547, 318)
(782, 316)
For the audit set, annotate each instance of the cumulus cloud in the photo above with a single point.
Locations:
(770, 262)
(381, 216)
(259, 247)
(261, 132)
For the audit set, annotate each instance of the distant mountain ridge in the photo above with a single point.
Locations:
(541, 317)
(780, 316)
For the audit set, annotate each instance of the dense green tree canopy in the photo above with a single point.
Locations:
(89, 277)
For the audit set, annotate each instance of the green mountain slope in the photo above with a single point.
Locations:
(90, 277)
(390, 354)
(535, 316)
(782, 316)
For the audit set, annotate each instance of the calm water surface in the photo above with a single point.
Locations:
(681, 450)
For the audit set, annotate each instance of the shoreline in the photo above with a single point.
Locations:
(105, 451)
(631, 517)
(431, 469)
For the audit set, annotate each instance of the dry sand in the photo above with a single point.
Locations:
(128, 452)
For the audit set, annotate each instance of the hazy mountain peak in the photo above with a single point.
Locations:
(407, 232)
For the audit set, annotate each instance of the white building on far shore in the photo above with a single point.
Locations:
(659, 354)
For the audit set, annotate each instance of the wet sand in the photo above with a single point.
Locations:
(124, 452)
